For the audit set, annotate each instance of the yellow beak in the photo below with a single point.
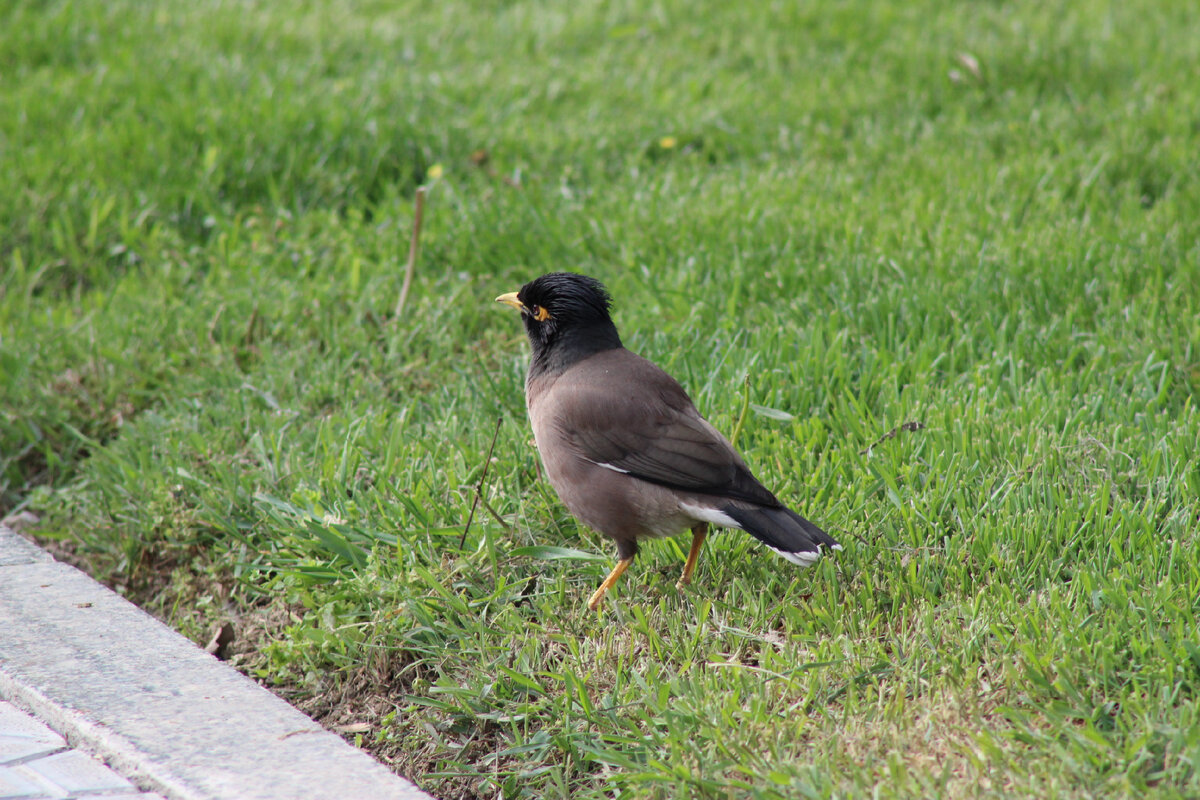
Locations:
(510, 299)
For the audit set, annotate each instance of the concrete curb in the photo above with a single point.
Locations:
(157, 709)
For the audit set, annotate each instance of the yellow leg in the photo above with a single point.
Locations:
(689, 566)
(598, 596)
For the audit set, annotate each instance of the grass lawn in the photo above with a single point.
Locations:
(826, 219)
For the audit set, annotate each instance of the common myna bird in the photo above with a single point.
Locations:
(623, 444)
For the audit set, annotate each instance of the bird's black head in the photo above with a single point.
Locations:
(566, 318)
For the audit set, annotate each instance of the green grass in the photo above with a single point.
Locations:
(983, 217)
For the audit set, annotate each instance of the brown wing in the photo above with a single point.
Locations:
(622, 412)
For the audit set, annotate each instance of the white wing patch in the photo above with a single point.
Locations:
(710, 515)
(609, 466)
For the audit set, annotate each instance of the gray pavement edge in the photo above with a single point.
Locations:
(168, 716)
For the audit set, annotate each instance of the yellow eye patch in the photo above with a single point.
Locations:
(540, 313)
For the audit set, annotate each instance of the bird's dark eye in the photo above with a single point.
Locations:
(540, 313)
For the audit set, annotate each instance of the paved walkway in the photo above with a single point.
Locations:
(100, 700)
(36, 762)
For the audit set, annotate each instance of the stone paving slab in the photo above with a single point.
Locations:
(36, 764)
(82, 668)
(23, 738)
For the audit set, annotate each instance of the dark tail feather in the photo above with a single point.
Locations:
(784, 531)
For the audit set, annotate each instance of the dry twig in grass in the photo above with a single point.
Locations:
(908, 426)
(479, 489)
(414, 248)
